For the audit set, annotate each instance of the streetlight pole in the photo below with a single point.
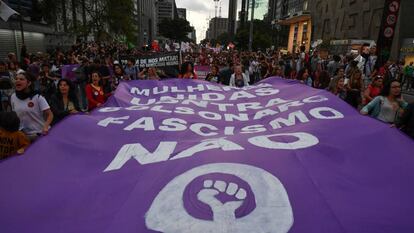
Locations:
(251, 26)
(215, 19)
(21, 21)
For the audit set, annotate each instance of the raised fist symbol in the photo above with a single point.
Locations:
(272, 212)
(222, 212)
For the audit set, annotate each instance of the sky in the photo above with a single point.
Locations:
(199, 11)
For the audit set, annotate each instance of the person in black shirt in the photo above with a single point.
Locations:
(225, 74)
(214, 75)
(64, 102)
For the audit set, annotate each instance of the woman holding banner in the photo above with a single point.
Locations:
(64, 102)
(389, 106)
(95, 92)
(238, 79)
(32, 109)
(118, 76)
(187, 71)
(214, 75)
(149, 74)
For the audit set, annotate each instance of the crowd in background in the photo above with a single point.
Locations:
(34, 96)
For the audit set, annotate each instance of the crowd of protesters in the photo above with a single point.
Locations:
(34, 96)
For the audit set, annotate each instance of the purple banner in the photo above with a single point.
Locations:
(69, 71)
(190, 156)
(202, 71)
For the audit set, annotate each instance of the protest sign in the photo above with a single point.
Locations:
(69, 71)
(167, 62)
(190, 156)
(202, 71)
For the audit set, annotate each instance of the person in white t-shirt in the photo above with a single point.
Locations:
(32, 109)
(238, 79)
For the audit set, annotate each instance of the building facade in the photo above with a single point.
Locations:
(274, 9)
(192, 35)
(165, 9)
(295, 15)
(182, 13)
(217, 26)
(348, 21)
(39, 36)
(147, 21)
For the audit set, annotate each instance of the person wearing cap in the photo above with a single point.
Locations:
(32, 109)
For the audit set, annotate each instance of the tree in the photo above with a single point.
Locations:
(262, 36)
(175, 29)
(114, 18)
(36, 11)
(120, 15)
(224, 39)
(50, 9)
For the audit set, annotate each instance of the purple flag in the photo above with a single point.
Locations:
(69, 71)
(191, 156)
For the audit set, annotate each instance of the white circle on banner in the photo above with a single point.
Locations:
(272, 213)
(394, 6)
(388, 32)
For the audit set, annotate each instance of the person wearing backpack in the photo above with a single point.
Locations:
(389, 106)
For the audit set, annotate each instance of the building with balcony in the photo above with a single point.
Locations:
(296, 16)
